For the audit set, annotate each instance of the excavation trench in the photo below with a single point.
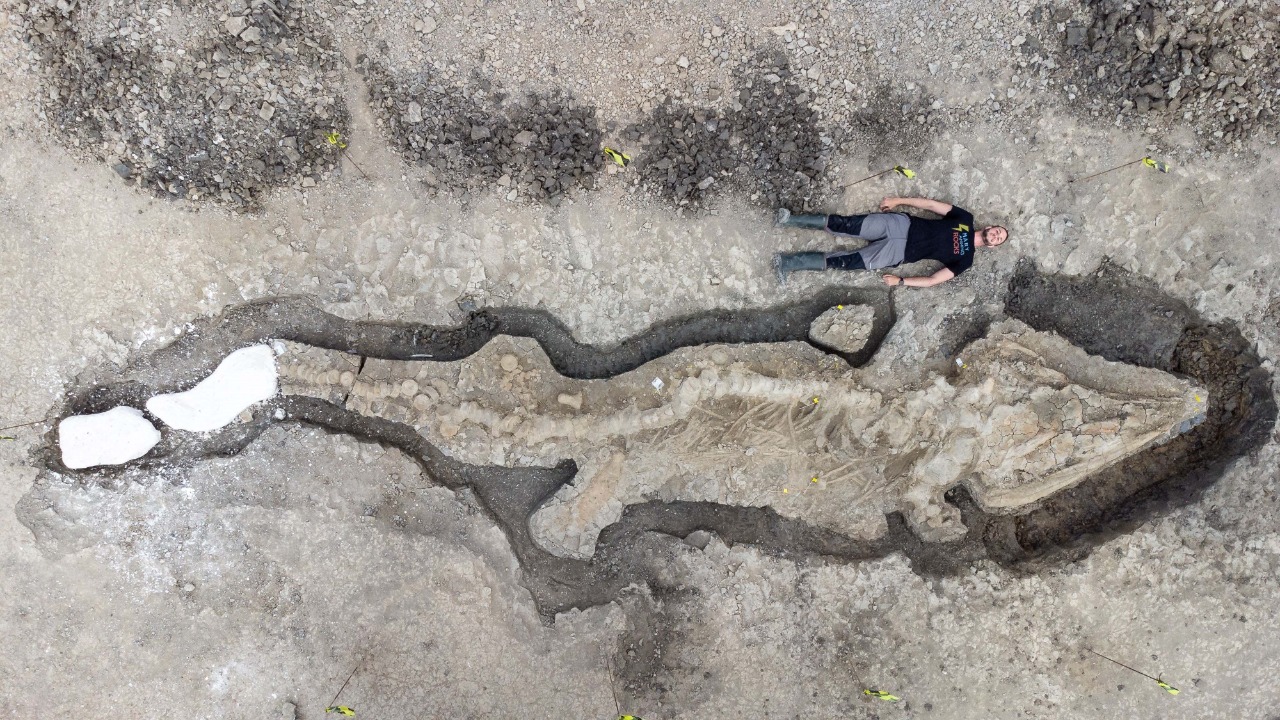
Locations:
(1112, 314)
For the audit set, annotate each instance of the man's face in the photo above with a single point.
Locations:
(994, 236)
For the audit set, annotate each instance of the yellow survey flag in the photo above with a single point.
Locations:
(622, 159)
(881, 695)
(1167, 687)
(905, 172)
(1156, 164)
(341, 710)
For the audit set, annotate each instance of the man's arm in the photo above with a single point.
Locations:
(934, 206)
(937, 278)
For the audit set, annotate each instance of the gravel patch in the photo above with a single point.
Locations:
(190, 103)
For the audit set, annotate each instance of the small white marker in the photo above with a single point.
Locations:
(658, 384)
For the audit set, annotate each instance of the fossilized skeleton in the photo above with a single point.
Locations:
(1025, 416)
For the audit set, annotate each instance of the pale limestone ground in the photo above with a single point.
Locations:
(843, 328)
(290, 586)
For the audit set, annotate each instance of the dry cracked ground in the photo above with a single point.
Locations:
(550, 439)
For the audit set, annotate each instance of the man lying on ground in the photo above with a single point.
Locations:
(895, 238)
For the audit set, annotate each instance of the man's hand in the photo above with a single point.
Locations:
(889, 203)
(893, 280)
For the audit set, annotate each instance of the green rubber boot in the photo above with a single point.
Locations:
(786, 263)
(804, 222)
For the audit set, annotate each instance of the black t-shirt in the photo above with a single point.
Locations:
(948, 240)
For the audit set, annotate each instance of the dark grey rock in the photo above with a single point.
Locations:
(1076, 35)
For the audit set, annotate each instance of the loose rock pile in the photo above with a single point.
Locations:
(767, 144)
(193, 105)
(1215, 65)
(540, 148)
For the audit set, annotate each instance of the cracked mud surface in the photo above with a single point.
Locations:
(1154, 479)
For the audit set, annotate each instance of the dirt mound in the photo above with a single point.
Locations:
(187, 103)
(1213, 66)
(539, 148)
(767, 145)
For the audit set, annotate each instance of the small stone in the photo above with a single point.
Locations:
(525, 137)
(1076, 35)
(573, 401)
(508, 363)
(659, 60)
(428, 26)
(699, 539)
(414, 113)
(479, 132)
(1222, 63)
(188, 588)
(123, 170)
(683, 62)
(236, 24)
(1247, 53)
(266, 111)
(251, 35)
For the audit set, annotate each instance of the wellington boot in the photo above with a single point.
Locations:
(786, 263)
(804, 222)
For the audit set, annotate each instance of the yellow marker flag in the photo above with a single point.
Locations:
(905, 172)
(1167, 687)
(882, 695)
(1155, 164)
(341, 710)
(629, 717)
(333, 138)
(620, 158)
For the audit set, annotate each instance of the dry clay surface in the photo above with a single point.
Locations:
(250, 586)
